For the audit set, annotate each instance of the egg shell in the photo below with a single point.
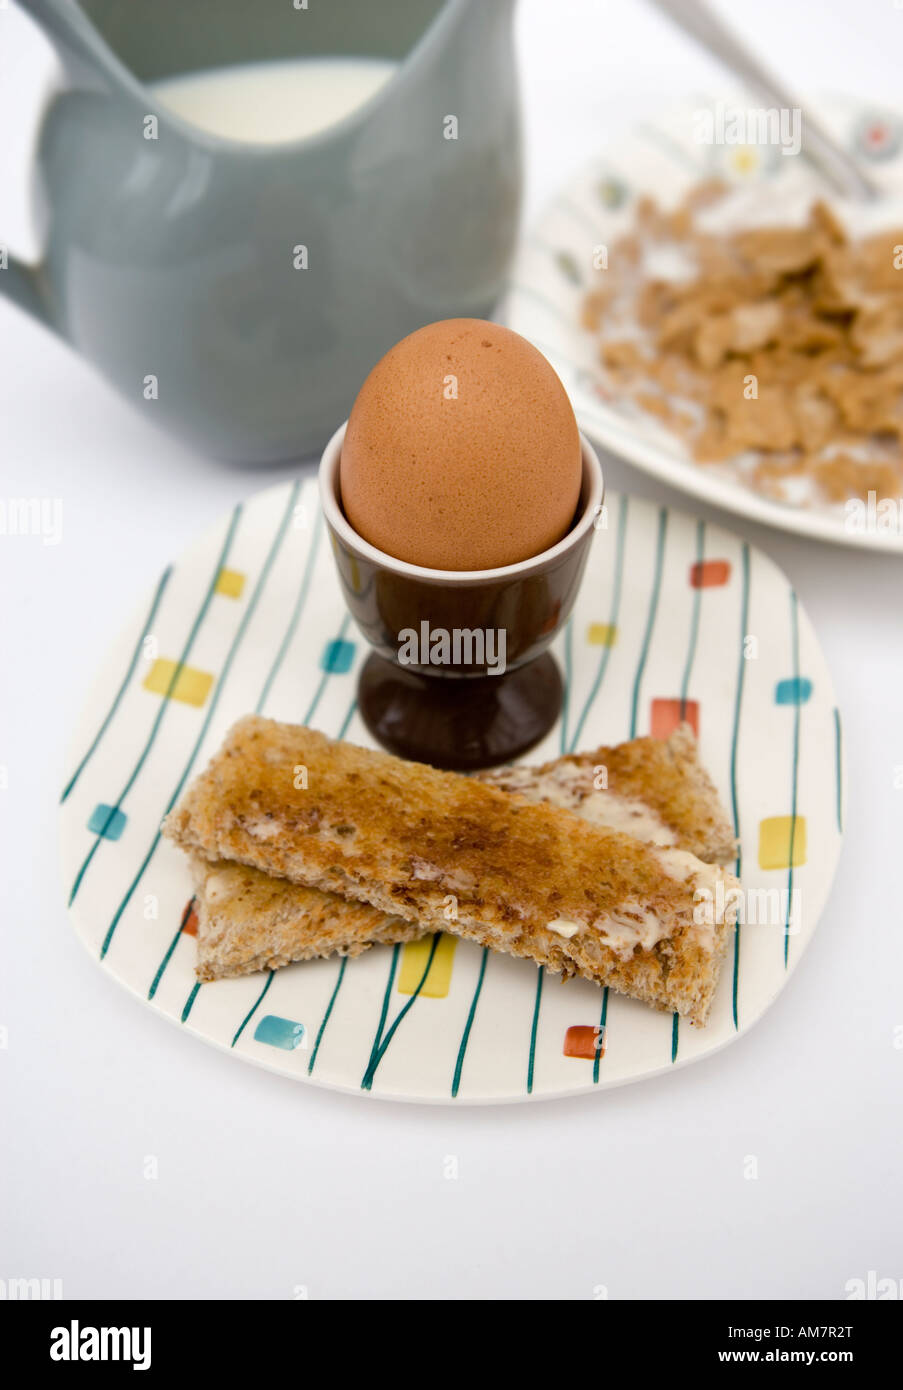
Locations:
(462, 450)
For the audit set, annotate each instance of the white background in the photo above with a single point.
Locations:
(265, 1185)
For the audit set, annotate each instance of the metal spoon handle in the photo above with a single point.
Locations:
(837, 166)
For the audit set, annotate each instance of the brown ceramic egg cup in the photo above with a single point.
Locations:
(458, 714)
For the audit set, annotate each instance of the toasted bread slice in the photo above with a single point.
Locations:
(528, 878)
(249, 921)
(654, 789)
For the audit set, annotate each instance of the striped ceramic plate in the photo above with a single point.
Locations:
(555, 268)
(674, 619)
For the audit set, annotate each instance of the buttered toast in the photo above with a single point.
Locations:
(442, 851)
(654, 788)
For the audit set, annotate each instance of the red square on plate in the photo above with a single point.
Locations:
(585, 1040)
(190, 918)
(709, 574)
(668, 714)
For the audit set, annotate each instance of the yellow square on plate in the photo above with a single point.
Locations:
(775, 833)
(191, 686)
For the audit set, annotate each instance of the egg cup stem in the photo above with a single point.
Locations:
(462, 724)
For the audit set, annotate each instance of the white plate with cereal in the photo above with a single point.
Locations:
(744, 342)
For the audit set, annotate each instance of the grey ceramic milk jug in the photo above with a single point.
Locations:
(172, 255)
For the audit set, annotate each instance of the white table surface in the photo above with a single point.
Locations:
(265, 1186)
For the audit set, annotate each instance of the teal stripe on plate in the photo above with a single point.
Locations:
(568, 678)
(325, 678)
(471, 1015)
(329, 1007)
(347, 720)
(650, 618)
(344, 960)
(537, 1003)
(164, 705)
(612, 622)
(735, 742)
(684, 693)
(297, 611)
(213, 704)
(376, 1058)
(253, 1009)
(130, 671)
(797, 708)
(189, 1002)
(694, 623)
(602, 1017)
(384, 1012)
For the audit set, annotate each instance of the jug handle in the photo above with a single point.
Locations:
(68, 30)
(23, 285)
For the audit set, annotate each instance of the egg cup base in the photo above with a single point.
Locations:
(463, 724)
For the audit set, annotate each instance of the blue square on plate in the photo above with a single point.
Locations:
(337, 657)
(107, 821)
(795, 690)
(279, 1032)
